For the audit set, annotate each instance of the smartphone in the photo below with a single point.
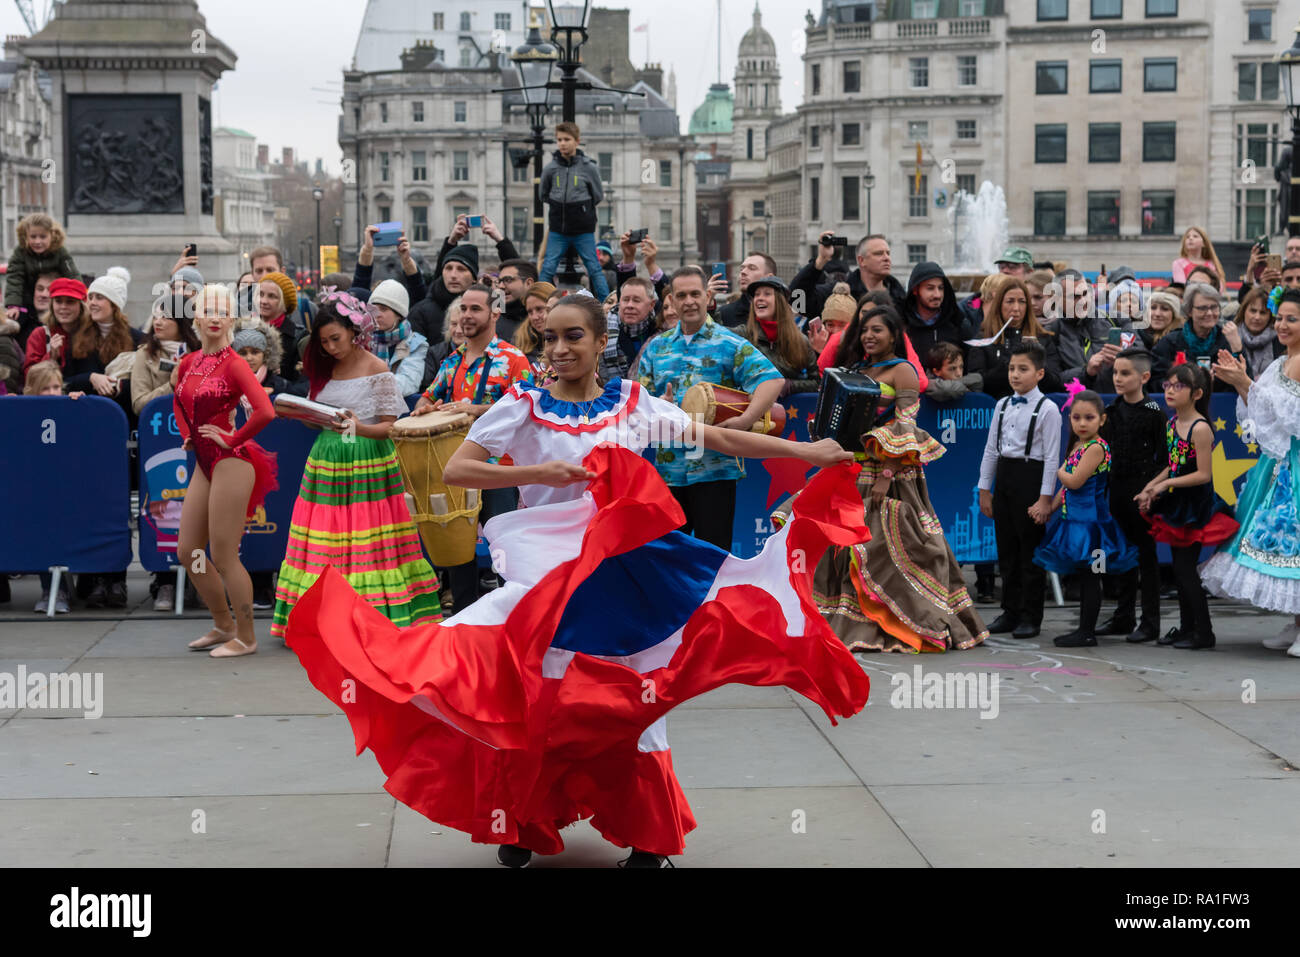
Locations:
(192, 249)
(1115, 337)
(720, 269)
(816, 325)
(390, 234)
(474, 222)
(637, 235)
(1261, 243)
(1203, 362)
(1273, 261)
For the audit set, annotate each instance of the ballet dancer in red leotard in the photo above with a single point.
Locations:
(233, 476)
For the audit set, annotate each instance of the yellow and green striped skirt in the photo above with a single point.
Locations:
(351, 514)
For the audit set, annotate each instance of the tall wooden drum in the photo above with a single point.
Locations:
(446, 516)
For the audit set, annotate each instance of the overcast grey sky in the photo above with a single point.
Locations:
(285, 89)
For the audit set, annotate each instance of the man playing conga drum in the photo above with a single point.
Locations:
(700, 350)
(469, 380)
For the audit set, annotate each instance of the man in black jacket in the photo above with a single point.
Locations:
(874, 267)
(571, 185)
(514, 279)
(457, 270)
(930, 309)
(756, 266)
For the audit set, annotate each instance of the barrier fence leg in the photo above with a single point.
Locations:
(56, 575)
(179, 604)
(1056, 589)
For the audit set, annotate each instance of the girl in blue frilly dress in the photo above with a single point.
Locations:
(1082, 537)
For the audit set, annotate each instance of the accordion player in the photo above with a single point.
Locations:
(846, 407)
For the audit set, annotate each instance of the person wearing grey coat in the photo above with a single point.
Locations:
(1080, 330)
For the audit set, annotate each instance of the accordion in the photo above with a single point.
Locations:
(846, 407)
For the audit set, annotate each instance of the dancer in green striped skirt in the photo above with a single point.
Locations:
(351, 512)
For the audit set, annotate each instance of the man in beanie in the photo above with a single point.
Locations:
(457, 270)
(605, 256)
(571, 185)
(394, 340)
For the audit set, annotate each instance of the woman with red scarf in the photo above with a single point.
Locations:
(277, 300)
(771, 328)
(233, 476)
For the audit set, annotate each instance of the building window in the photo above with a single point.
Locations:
(1049, 214)
(850, 200)
(437, 21)
(852, 76)
(760, 208)
(1050, 77)
(916, 253)
(605, 163)
(1267, 75)
(851, 134)
(1103, 142)
(666, 224)
(383, 112)
(814, 198)
(1256, 209)
(1049, 143)
(665, 172)
(417, 111)
(919, 67)
(967, 71)
(924, 9)
(460, 166)
(918, 131)
(419, 165)
(967, 130)
(518, 225)
(466, 56)
(459, 211)
(520, 174)
(458, 111)
(502, 21)
(385, 214)
(971, 8)
(383, 166)
(814, 137)
(1103, 213)
(966, 183)
(1158, 212)
(918, 203)
(1105, 76)
(1053, 9)
(816, 78)
(1107, 9)
(1162, 8)
(1254, 142)
(1259, 24)
(605, 220)
(1160, 76)
(419, 224)
(464, 21)
(1159, 142)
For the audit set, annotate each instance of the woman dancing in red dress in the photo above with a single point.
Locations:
(233, 476)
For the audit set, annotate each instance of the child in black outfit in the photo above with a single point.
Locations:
(1135, 431)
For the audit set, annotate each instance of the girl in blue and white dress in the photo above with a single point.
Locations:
(544, 702)
(1261, 564)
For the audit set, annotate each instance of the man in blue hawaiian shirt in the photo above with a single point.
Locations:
(700, 350)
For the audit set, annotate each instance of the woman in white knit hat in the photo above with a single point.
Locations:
(394, 340)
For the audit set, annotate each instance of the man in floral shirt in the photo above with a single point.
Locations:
(469, 380)
(700, 350)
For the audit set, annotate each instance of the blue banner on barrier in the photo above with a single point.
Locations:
(962, 427)
(165, 471)
(65, 485)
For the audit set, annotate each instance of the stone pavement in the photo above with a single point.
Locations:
(1119, 755)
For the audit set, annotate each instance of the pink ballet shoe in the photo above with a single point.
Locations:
(214, 637)
(227, 651)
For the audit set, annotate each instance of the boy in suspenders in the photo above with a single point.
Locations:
(1017, 481)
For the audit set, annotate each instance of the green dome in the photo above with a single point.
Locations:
(714, 114)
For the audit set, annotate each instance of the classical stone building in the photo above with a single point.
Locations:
(245, 212)
(26, 174)
(429, 141)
